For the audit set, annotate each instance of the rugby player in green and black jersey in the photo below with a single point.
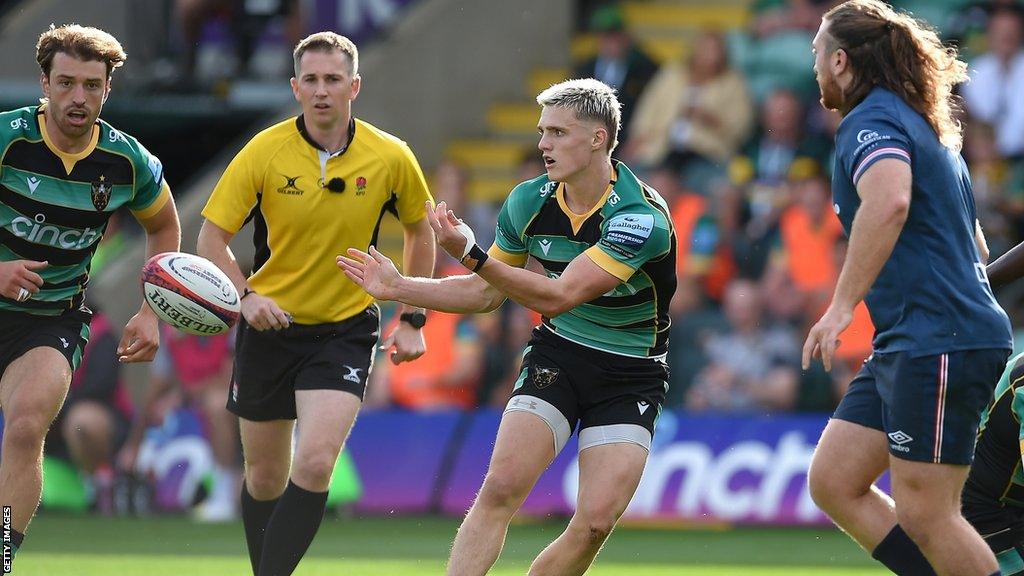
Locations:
(62, 174)
(993, 496)
(607, 247)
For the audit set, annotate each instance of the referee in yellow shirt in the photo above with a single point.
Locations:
(313, 185)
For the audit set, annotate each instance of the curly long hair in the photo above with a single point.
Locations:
(895, 51)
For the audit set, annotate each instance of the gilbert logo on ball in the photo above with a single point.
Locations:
(190, 293)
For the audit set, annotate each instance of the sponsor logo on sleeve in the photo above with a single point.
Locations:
(868, 139)
(867, 136)
(630, 230)
(156, 168)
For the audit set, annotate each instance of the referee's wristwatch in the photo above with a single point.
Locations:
(415, 319)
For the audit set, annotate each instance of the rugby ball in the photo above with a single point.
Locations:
(190, 293)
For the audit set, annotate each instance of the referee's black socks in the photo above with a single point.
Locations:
(291, 529)
(255, 516)
(899, 553)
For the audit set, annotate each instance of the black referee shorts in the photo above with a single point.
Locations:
(271, 365)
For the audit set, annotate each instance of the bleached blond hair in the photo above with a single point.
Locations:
(589, 99)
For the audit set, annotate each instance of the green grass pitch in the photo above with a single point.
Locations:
(89, 546)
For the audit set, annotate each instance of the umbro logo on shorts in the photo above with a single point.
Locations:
(900, 438)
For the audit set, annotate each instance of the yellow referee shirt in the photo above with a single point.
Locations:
(280, 180)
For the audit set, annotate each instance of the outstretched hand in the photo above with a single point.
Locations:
(452, 233)
(375, 272)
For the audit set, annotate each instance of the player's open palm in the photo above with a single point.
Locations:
(375, 272)
(823, 339)
(18, 279)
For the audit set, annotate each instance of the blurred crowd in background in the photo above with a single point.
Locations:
(734, 139)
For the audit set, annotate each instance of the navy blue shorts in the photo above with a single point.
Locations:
(928, 406)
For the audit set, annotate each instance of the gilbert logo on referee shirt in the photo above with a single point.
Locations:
(290, 187)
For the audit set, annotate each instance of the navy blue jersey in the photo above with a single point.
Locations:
(932, 295)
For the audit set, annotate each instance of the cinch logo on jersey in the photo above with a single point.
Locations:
(36, 230)
(630, 230)
(156, 298)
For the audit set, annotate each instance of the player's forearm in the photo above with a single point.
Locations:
(466, 294)
(162, 235)
(213, 246)
(418, 251)
(874, 233)
(534, 291)
(1007, 268)
(165, 239)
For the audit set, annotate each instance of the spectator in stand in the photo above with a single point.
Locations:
(997, 82)
(697, 112)
(752, 367)
(808, 231)
(762, 172)
(201, 365)
(94, 422)
(246, 22)
(619, 62)
(781, 138)
(968, 26)
(448, 377)
(776, 16)
(998, 187)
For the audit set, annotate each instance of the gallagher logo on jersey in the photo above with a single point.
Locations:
(630, 230)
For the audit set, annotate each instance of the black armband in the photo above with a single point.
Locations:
(475, 259)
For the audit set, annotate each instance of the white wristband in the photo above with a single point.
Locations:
(466, 231)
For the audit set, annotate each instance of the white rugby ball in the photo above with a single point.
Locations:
(190, 293)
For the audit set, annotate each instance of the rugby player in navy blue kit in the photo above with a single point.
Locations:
(917, 257)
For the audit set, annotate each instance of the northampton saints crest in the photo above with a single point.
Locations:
(544, 376)
(101, 193)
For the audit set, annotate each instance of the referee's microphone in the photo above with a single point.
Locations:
(336, 185)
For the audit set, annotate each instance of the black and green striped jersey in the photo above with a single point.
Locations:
(996, 478)
(628, 233)
(54, 206)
